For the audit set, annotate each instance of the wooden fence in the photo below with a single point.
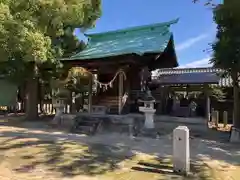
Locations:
(45, 108)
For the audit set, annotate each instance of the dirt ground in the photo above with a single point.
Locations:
(32, 151)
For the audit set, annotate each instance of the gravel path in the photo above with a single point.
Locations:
(215, 154)
(162, 146)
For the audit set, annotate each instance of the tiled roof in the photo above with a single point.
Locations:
(192, 76)
(140, 40)
(189, 78)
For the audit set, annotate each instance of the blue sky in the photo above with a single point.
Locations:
(192, 34)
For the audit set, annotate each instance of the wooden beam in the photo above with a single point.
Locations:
(90, 95)
(190, 88)
(208, 103)
(120, 93)
(93, 63)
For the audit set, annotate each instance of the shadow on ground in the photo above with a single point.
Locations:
(93, 160)
(66, 158)
(68, 155)
(159, 167)
(20, 121)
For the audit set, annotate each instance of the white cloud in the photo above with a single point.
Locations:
(190, 42)
(199, 63)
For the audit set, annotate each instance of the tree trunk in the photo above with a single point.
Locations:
(32, 97)
(40, 97)
(236, 114)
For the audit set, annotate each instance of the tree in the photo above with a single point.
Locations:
(226, 48)
(206, 2)
(34, 32)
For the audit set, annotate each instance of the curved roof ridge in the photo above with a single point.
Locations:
(189, 70)
(136, 28)
(138, 40)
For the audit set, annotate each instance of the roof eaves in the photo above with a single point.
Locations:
(97, 57)
(134, 28)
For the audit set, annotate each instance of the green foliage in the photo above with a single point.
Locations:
(217, 92)
(227, 46)
(76, 80)
(206, 2)
(35, 33)
(214, 91)
(36, 30)
(41, 31)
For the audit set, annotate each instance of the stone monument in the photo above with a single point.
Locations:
(59, 104)
(181, 151)
(148, 109)
(59, 99)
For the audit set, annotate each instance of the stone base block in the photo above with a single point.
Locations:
(235, 135)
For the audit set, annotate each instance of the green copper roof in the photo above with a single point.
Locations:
(152, 38)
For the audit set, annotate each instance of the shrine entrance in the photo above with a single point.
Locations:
(117, 61)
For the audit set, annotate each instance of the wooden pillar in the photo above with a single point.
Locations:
(208, 108)
(208, 103)
(216, 121)
(90, 94)
(120, 93)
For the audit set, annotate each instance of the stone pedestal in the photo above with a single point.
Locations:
(181, 151)
(235, 135)
(59, 105)
(149, 117)
(148, 109)
(215, 118)
(225, 118)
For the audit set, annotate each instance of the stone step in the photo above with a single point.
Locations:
(87, 129)
(107, 102)
(110, 98)
(86, 125)
(90, 130)
(113, 110)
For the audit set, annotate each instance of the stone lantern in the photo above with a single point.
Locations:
(59, 103)
(148, 109)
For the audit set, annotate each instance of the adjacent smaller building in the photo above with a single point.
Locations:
(188, 80)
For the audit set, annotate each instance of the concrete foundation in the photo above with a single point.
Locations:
(235, 135)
